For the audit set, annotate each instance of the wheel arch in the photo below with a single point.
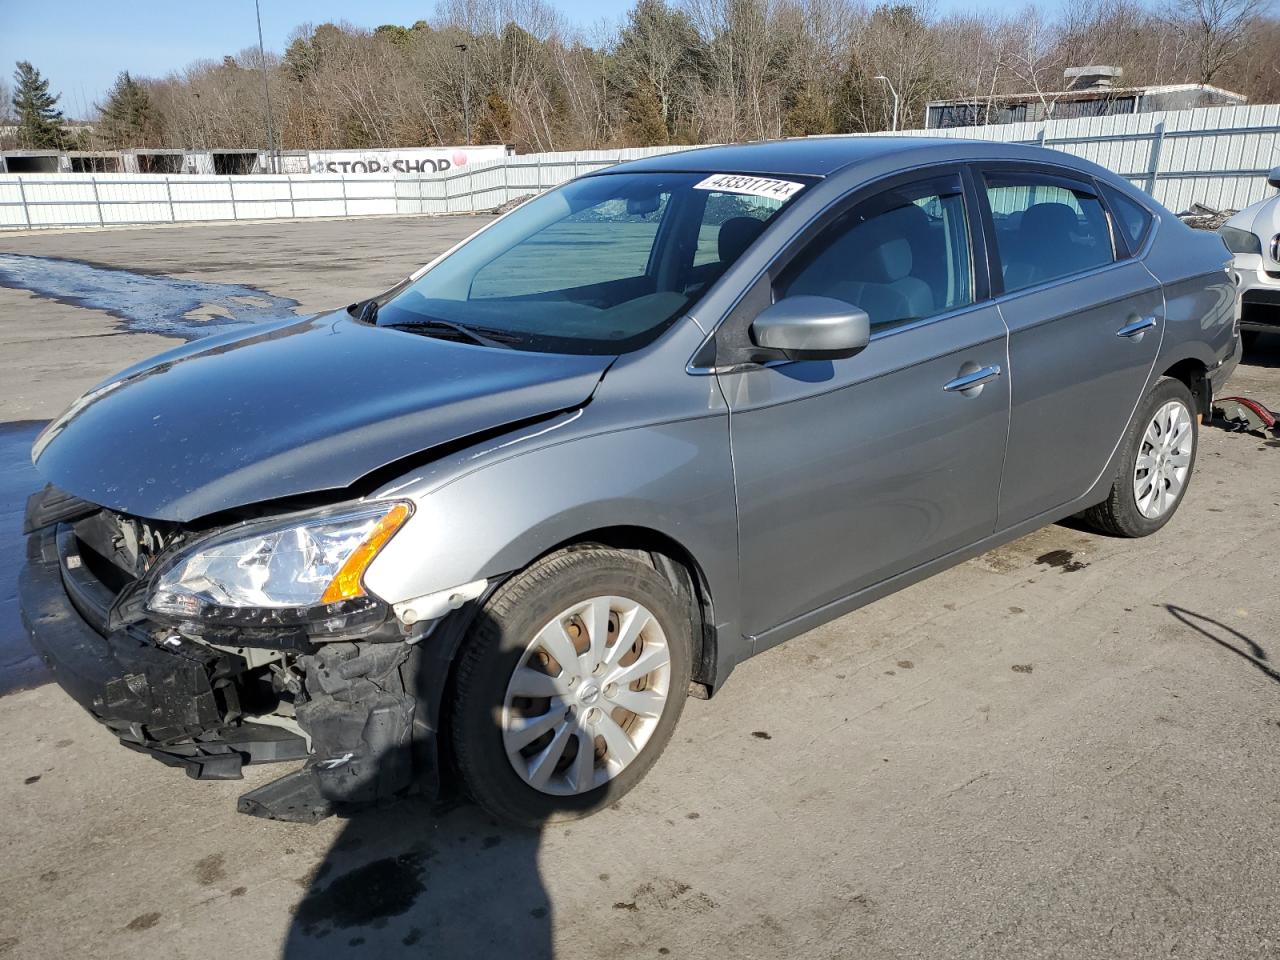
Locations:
(1194, 374)
(680, 567)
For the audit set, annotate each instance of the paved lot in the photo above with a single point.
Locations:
(1014, 759)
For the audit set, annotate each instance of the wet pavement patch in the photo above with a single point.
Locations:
(144, 922)
(211, 869)
(378, 890)
(147, 303)
(19, 665)
(1063, 560)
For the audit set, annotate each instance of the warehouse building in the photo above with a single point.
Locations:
(1089, 92)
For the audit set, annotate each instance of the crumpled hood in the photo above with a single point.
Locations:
(290, 408)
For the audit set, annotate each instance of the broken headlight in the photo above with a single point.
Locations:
(307, 571)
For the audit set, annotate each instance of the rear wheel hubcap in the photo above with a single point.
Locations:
(1164, 460)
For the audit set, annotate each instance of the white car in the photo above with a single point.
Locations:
(1253, 237)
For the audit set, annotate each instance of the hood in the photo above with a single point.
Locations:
(291, 408)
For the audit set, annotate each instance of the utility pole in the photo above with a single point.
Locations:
(272, 154)
(466, 93)
(895, 98)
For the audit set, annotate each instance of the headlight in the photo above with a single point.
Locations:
(278, 574)
(1240, 241)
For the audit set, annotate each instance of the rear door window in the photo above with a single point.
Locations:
(1046, 227)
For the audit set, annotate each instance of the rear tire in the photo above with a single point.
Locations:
(1157, 460)
(509, 684)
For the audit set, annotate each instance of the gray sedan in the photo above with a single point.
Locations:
(492, 527)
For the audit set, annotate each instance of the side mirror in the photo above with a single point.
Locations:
(1273, 177)
(812, 328)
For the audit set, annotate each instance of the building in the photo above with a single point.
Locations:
(1090, 92)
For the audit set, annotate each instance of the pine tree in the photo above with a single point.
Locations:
(644, 117)
(128, 119)
(809, 114)
(39, 120)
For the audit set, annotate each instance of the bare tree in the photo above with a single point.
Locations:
(1215, 31)
(684, 71)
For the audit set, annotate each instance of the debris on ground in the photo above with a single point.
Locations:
(1243, 415)
(1202, 217)
(511, 204)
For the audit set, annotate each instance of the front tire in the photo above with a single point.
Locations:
(1158, 458)
(569, 685)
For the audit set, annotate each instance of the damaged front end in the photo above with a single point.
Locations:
(252, 642)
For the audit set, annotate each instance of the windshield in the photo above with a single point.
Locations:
(601, 265)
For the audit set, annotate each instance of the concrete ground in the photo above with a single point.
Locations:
(1027, 756)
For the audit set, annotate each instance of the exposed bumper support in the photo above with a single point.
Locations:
(171, 703)
(371, 709)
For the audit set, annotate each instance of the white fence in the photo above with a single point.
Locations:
(110, 199)
(1218, 156)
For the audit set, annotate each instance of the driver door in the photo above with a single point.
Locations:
(851, 471)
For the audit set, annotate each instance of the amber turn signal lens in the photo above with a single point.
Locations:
(346, 584)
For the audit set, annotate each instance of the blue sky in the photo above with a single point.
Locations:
(80, 45)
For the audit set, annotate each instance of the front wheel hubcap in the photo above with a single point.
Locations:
(586, 695)
(1164, 460)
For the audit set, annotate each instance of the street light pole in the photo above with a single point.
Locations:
(466, 94)
(889, 83)
(272, 156)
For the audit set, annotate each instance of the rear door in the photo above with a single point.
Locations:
(853, 470)
(1085, 321)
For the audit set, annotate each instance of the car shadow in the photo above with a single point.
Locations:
(414, 879)
(1227, 637)
(20, 667)
(429, 877)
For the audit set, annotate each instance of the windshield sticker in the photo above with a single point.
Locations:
(755, 186)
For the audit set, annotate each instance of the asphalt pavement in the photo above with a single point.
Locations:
(1068, 747)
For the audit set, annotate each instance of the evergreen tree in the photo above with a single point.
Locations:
(658, 65)
(128, 119)
(494, 124)
(39, 120)
(644, 117)
(809, 114)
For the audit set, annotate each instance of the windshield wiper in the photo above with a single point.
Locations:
(367, 312)
(427, 324)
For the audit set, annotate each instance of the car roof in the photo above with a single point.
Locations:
(825, 156)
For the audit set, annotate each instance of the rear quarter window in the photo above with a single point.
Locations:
(1132, 219)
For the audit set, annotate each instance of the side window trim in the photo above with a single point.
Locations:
(984, 223)
(1066, 179)
(1119, 241)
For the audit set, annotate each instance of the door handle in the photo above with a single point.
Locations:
(1136, 328)
(970, 381)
